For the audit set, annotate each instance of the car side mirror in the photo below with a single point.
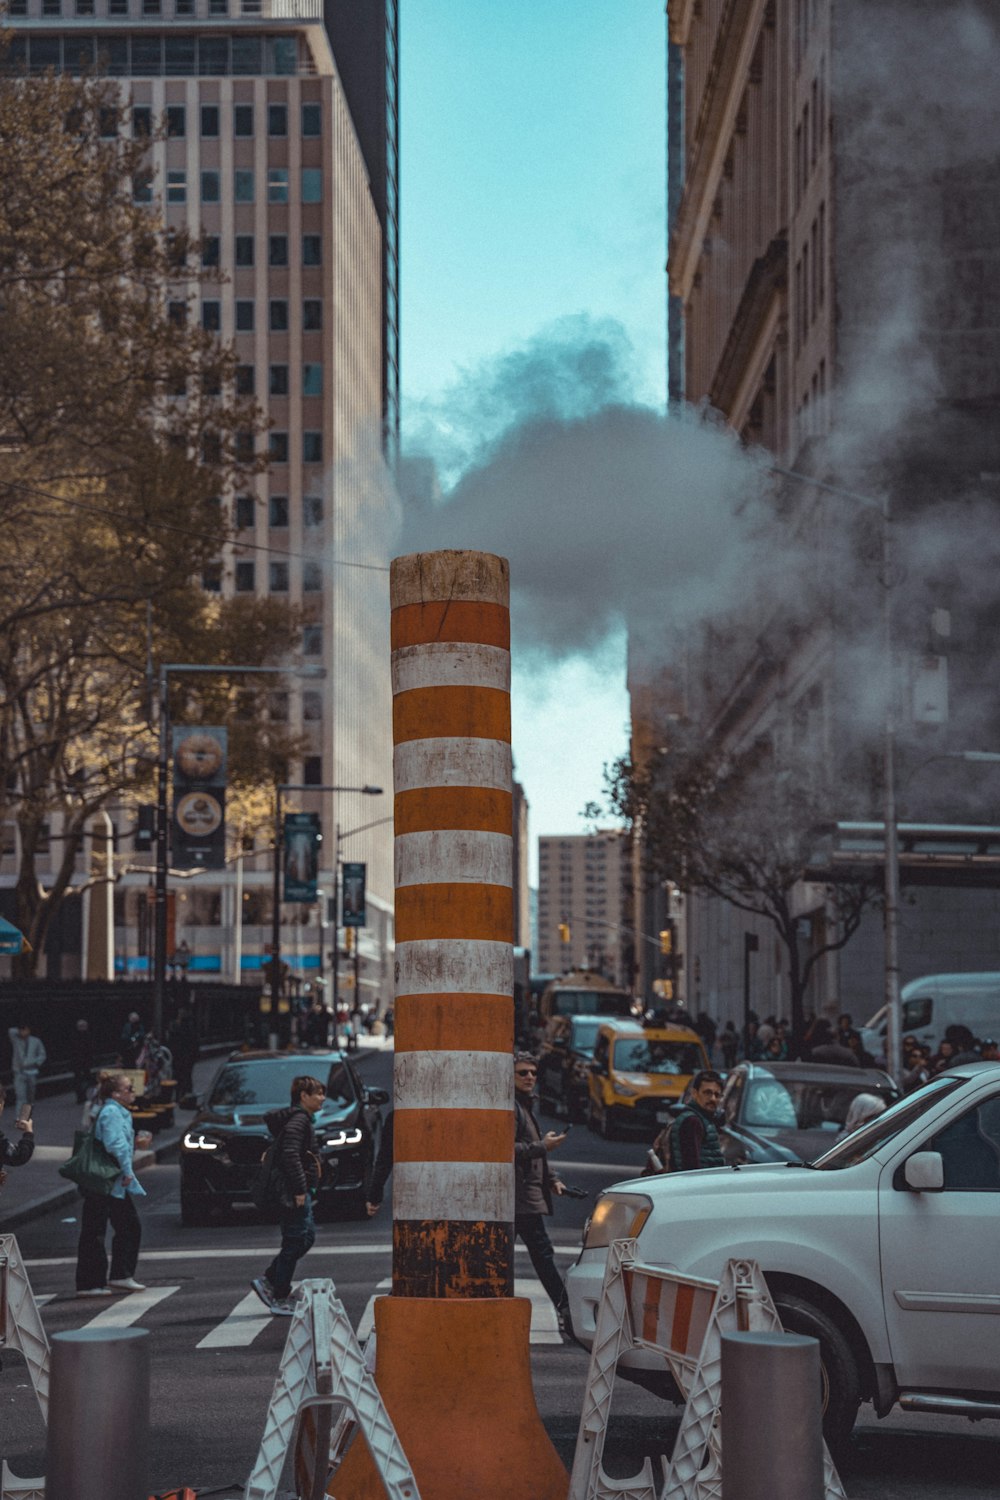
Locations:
(190, 1101)
(924, 1172)
(377, 1096)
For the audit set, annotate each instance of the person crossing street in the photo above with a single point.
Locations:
(298, 1171)
(535, 1182)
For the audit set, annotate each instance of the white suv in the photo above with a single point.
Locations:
(884, 1249)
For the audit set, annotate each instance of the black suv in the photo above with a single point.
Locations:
(222, 1148)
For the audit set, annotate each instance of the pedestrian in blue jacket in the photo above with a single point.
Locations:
(113, 1128)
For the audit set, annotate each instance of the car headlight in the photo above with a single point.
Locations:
(616, 1216)
(196, 1141)
(343, 1138)
(624, 1089)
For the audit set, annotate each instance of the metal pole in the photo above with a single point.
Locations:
(98, 1435)
(893, 1002)
(751, 944)
(336, 925)
(772, 1434)
(160, 900)
(276, 914)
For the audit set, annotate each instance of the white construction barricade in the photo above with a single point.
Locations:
(683, 1318)
(21, 1328)
(324, 1393)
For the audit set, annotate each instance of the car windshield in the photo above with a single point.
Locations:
(791, 1104)
(639, 1055)
(584, 1035)
(863, 1143)
(267, 1083)
(591, 1003)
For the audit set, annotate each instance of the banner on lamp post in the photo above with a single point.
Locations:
(353, 894)
(199, 779)
(301, 838)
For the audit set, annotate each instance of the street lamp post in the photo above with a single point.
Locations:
(340, 838)
(160, 897)
(280, 789)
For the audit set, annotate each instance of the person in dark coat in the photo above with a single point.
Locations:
(82, 1059)
(316, 1025)
(382, 1169)
(692, 1140)
(824, 1049)
(535, 1182)
(182, 1039)
(299, 1169)
(131, 1040)
(11, 1154)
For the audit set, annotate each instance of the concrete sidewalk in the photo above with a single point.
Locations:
(37, 1188)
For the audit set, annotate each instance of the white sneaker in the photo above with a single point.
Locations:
(96, 1291)
(127, 1284)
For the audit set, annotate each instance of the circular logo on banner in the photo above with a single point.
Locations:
(199, 814)
(199, 756)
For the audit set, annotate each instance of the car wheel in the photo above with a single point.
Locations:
(194, 1213)
(839, 1380)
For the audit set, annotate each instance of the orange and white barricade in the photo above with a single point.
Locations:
(683, 1318)
(21, 1328)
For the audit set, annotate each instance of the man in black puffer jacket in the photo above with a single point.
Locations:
(298, 1165)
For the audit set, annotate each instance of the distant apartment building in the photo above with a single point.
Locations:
(833, 295)
(261, 158)
(582, 905)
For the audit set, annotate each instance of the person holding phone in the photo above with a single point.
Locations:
(11, 1154)
(535, 1182)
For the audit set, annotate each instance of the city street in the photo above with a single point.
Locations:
(215, 1351)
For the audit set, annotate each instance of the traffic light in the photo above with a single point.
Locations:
(667, 940)
(349, 939)
(564, 932)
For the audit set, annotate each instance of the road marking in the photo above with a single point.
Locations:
(544, 1323)
(367, 1323)
(266, 1252)
(131, 1308)
(45, 1298)
(248, 1318)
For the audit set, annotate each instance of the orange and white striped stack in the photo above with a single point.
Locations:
(453, 1191)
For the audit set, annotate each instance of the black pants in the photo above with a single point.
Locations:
(298, 1235)
(531, 1228)
(91, 1255)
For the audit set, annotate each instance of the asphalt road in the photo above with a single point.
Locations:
(215, 1351)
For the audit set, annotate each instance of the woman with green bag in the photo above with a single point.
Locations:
(113, 1129)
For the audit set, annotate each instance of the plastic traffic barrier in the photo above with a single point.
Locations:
(21, 1328)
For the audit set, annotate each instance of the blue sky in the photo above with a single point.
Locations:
(533, 189)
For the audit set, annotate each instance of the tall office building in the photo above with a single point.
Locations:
(582, 887)
(833, 260)
(262, 156)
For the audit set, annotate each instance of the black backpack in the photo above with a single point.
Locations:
(268, 1189)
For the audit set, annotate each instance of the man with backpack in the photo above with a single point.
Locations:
(292, 1168)
(691, 1140)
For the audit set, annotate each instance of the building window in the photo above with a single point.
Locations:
(244, 380)
(142, 121)
(176, 187)
(244, 578)
(184, 7)
(211, 316)
(209, 246)
(142, 187)
(312, 447)
(243, 185)
(85, 7)
(312, 511)
(277, 512)
(279, 315)
(312, 770)
(312, 249)
(312, 119)
(245, 512)
(277, 184)
(312, 314)
(177, 313)
(176, 120)
(243, 119)
(211, 579)
(107, 120)
(278, 447)
(277, 250)
(277, 119)
(312, 577)
(278, 578)
(244, 249)
(209, 121)
(312, 707)
(277, 384)
(312, 185)
(312, 640)
(210, 189)
(312, 380)
(218, 7)
(244, 316)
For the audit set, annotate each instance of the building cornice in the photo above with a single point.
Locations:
(752, 327)
(736, 41)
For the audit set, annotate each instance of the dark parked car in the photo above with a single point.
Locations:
(563, 1065)
(222, 1148)
(792, 1111)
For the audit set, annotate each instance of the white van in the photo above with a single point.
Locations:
(932, 1004)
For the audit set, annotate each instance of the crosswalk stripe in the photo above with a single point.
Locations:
(544, 1323)
(248, 1318)
(131, 1308)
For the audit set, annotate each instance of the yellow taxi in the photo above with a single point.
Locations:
(637, 1072)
